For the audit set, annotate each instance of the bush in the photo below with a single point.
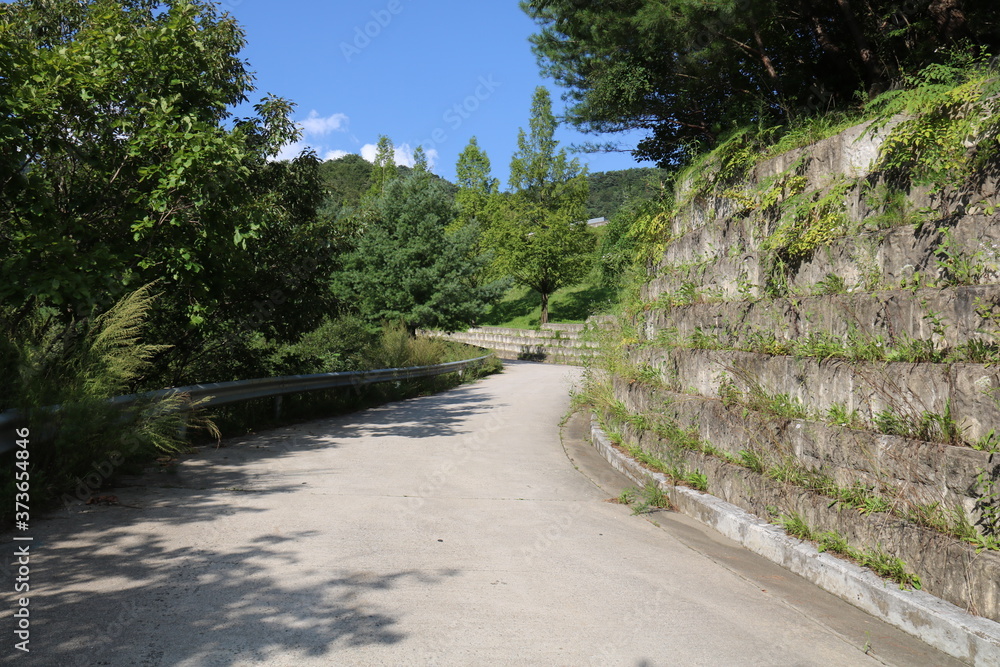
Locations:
(337, 344)
(77, 367)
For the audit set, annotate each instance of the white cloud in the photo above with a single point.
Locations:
(291, 151)
(369, 151)
(432, 157)
(315, 125)
(403, 155)
(334, 155)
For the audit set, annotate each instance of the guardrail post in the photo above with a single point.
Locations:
(277, 407)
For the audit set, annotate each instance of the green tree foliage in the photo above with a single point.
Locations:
(538, 233)
(420, 163)
(688, 72)
(476, 184)
(385, 170)
(122, 166)
(407, 267)
(626, 235)
(345, 181)
(337, 344)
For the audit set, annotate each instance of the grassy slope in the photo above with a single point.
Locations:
(521, 308)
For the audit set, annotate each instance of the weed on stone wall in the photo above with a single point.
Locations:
(949, 130)
(775, 240)
(876, 559)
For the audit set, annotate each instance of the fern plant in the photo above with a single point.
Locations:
(950, 125)
(61, 375)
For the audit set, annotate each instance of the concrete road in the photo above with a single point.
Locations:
(447, 530)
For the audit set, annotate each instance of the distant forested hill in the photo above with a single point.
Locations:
(348, 178)
(610, 189)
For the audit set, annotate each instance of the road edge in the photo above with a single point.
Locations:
(941, 624)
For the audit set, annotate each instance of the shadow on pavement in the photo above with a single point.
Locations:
(439, 415)
(111, 591)
(108, 596)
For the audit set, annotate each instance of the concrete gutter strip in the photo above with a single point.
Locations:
(936, 622)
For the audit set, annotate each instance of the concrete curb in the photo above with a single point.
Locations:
(934, 621)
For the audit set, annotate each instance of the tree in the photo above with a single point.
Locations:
(687, 73)
(385, 170)
(347, 179)
(475, 182)
(421, 167)
(610, 190)
(420, 164)
(406, 267)
(123, 166)
(538, 234)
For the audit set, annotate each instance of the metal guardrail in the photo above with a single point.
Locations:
(224, 393)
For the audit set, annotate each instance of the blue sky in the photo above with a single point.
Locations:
(431, 73)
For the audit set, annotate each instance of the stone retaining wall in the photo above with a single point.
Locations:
(925, 274)
(553, 343)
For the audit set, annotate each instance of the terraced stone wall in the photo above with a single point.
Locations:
(551, 343)
(853, 384)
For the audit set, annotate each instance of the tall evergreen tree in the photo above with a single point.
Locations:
(475, 182)
(688, 72)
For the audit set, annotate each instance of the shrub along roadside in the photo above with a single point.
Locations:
(392, 348)
(78, 366)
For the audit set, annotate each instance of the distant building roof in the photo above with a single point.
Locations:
(597, 222)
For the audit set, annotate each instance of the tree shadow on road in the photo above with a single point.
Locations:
(440, 415)
(107, 590)
(108, 587)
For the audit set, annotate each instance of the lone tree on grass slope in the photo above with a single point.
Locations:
(539, 236)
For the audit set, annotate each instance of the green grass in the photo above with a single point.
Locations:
(795, 526)
(876, 559)
(650, 497)
(521, 308)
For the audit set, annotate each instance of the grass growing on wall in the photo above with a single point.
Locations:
(732, 222)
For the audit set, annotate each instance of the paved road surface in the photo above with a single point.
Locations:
(446, 530)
